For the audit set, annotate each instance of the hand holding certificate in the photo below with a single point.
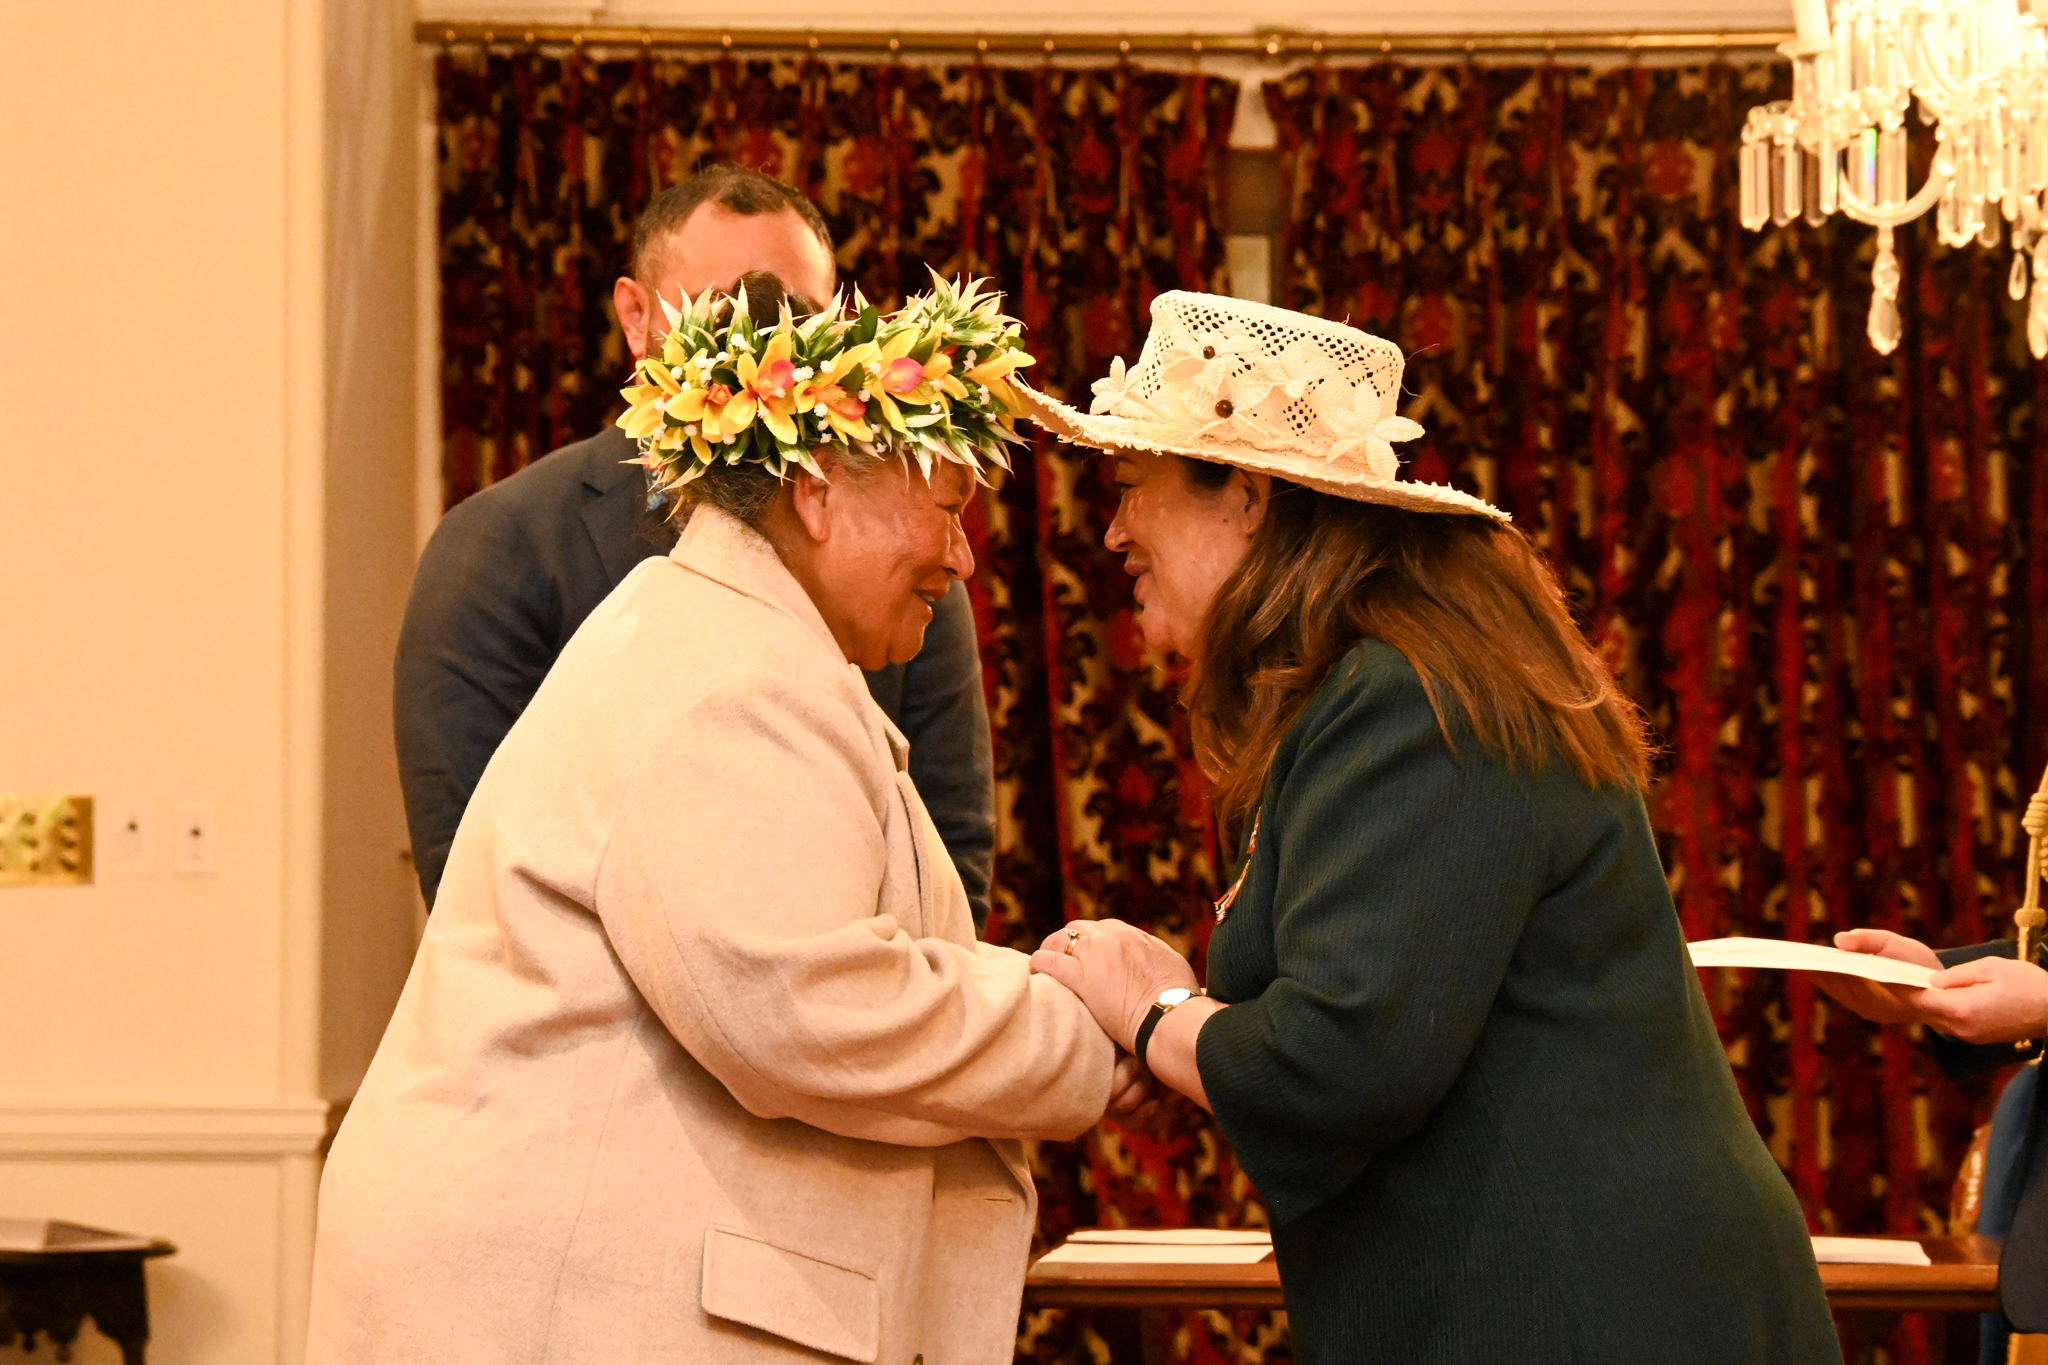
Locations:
(1808, 957)
(1891, 979)
(1879, 975)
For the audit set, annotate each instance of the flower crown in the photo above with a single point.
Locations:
(930, 380)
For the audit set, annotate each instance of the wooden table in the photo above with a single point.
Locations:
(51, 1294)
(1963, 1279)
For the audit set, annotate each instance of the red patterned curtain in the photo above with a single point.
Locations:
(1082, 193)
(1824, 571)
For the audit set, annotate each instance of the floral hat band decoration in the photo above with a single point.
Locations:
(930, 381)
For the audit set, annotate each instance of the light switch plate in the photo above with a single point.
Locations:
(192, 852)
(45, 840)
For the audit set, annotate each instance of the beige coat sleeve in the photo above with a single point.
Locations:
(741, 891)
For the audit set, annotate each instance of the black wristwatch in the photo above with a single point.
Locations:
(1179, 995)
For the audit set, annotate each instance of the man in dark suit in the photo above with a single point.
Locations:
(511, 572)
(1980, 1002)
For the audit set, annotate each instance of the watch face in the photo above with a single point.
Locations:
(1174, 996)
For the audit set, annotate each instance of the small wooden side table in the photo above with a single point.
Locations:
(52, 1293)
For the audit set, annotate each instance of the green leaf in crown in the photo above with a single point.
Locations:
(930, 381)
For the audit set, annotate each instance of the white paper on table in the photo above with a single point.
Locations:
(1156, 1253)
(39, 1234)
(1805, 957)
(1176, 1236)
(1868, 1251)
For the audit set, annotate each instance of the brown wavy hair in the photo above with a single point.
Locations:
(1468, 600)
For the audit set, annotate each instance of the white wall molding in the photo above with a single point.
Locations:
(304, 602)
(162, 1132)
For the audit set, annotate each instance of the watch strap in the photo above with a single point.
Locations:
(1144, 1038)
(1152, 1017)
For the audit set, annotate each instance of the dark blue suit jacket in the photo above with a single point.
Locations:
(2015, 1191)
(510, 574)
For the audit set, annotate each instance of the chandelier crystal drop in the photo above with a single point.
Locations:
(1977, 70)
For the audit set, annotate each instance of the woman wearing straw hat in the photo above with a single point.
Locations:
(1451, 1029)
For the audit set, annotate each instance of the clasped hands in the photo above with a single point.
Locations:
(1990, 1000)
(1117, 970)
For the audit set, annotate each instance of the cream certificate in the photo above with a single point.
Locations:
(1805, 957)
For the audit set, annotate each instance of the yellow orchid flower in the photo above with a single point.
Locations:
(709, 415)
(737, 414)
(655, 377)
(844, 412)
(899, 378)
(645, 401)
(847, 359)
(890, 412)
(723, 413)
(640, 421)
(1006, 397)
(994, 374)
(899, 345)
(769, 383)
(662, 395)
(999, 366)
(939, 370)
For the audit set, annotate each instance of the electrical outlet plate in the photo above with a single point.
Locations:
(45, 840)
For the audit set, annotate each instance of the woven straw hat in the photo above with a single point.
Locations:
(1244, 384)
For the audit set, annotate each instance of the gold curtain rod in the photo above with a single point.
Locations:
(1271, 44)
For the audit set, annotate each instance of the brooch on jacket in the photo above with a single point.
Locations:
(1223, 902)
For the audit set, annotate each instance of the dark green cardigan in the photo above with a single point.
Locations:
(1470, 1070)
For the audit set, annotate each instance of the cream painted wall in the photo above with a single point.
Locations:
(150, 265)
(206, 470)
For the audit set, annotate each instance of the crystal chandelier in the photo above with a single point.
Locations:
(1978, 71)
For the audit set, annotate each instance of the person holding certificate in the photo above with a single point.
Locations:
(1980, 1001)
(1450, 1028)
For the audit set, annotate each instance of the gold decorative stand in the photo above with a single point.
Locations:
(2030, 917)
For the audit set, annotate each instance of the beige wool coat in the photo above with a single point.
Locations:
(699, 1061)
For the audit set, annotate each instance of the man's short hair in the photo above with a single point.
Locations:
(736, 189)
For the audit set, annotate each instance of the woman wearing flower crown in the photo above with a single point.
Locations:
(1451, 1029)
(699, 1060)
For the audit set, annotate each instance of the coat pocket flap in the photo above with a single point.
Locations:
(797, 1297)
